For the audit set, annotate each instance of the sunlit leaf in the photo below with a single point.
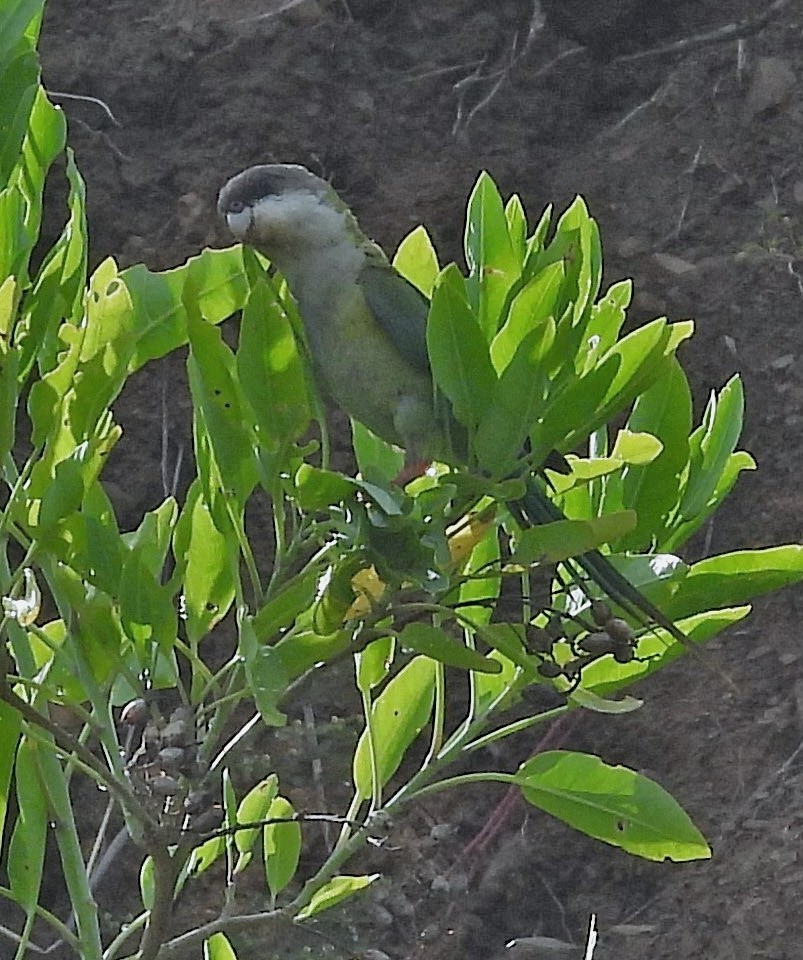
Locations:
(335, 891)
(398, 716)
(281, 846)
(373, 663)
(417, 261)
(492, 262)
(254, 807)
(217, 947)
(458, 350)
(270, 370)
(613, 804)
(26, 849)
(664, 410)
(204, 555)
(712, 444)
(146, 883)
(552, 542)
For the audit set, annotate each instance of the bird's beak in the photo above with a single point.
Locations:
(240, 222)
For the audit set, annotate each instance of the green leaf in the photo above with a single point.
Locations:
(636, 359)
(533, 308)
(483, 583)
(613, 804)
(205, 855)
(220, 288)
(335, 891)
(435, 643)
(9, 298)
(373, 663)
(335, 595)
(10, 724)
(590, 401)
(146, 883)
(217, 947)
(636, 449)
(203, 553)
(553, 542)
(19, 81)
(281, 847)
(300, 651)
(417, 261)
(270, 369)
(458, 350)
(679, 530)
(516, 403)
(517, 226)
(535, 243)
(376, 458)
(147, 607)
(69, 404)
(55, 664)
(95, 630)
(317, 489)
(734, 578)
(60, 286)
(26, 850)
(63, 495)
(398, 715)
(283, 608)
(92, 546)
(608, 316)
(651, 489)
(254, 807)
(151, 540)
(44, 140)
(482, 580)
(712, 445)
(492, 262)
(590, 270)
(267, 676)
(219, 408)
(16, 18)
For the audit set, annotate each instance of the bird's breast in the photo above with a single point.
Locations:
(361, 369)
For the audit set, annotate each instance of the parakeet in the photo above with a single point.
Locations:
(365, 327)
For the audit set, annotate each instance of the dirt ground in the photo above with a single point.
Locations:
(691, 163)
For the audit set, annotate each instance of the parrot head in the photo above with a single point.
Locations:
(287, 212)
(365, 324)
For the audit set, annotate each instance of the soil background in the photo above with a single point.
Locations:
(691, 162)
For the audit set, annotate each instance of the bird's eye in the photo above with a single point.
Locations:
(236, 206)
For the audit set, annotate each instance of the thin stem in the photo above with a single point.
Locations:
(376, 783)
(438, 716)
(61, 929)
(73, 866)
(166, 868)
(281, 549)
(128, 931)
(517, 727)
(70, 745)
(186, 944)
(462, 780)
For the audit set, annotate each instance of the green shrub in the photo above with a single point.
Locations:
(423, 587)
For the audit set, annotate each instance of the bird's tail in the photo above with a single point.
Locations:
(536, 507)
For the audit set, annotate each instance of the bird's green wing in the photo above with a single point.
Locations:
(400, 310)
